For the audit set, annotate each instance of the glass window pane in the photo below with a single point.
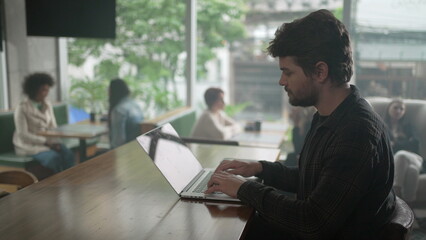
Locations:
(148, 53)
(390, 43)
(241, 66)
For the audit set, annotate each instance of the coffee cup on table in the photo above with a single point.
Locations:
(92, 117)
(257, 125)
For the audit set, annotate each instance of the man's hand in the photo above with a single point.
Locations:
(225, 178)
(226, 183)
(245, 168)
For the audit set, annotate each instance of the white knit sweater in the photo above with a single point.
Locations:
(215, 126)
(28, 121)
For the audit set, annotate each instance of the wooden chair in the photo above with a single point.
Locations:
(13, 180)
(401, 223)
(209, 141)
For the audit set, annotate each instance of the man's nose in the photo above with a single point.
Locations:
(282, 81)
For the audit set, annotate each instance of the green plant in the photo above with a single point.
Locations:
(90, 95)
(148, 51)
(233, 110)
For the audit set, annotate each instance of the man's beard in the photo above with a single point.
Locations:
(306, 101)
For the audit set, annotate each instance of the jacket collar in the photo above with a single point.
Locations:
(30, 103)
(341, 110)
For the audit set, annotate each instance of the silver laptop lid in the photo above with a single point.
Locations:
(171, 156)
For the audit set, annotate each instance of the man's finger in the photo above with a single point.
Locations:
(213, 188)
(234, 171)
(213, 180)
(227, 165)
(222, 167)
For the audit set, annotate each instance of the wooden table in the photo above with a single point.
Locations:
(271, 135)
(219, 152)
(3, 192)
(121, 195)
(82, 131)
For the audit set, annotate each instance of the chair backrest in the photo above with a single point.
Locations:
(61, 113)
(7, 126)
(20, 178)
(399, 227)
(415, 114)
(209, 141)
(182, 119)
(184, 123)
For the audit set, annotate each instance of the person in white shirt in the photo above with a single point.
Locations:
(214, 123)
(33, 114)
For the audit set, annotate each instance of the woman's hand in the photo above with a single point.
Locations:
(54, 146)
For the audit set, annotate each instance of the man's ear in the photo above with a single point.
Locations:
(321, 71)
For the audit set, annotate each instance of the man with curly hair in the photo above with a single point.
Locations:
(345, 173)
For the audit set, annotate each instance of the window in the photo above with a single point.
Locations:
(148, 53)
(390, 43)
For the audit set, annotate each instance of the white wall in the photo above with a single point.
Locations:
(25, 55)
(3, 83)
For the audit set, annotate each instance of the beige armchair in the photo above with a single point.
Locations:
(416, 114)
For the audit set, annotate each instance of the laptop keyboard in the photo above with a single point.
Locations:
(202, 186)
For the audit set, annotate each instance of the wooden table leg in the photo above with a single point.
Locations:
(82, 150)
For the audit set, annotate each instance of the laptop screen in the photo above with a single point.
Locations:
(170, 154)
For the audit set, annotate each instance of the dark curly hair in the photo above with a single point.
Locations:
(33, 83)
(317, 37)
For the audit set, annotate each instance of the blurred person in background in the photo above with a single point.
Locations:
(33, 114)
(124, 114)
(301, 119)
(214, 123)
(408, 164)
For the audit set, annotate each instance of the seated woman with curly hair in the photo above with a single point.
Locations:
(34, 114)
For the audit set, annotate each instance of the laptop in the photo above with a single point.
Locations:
(178, 164)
